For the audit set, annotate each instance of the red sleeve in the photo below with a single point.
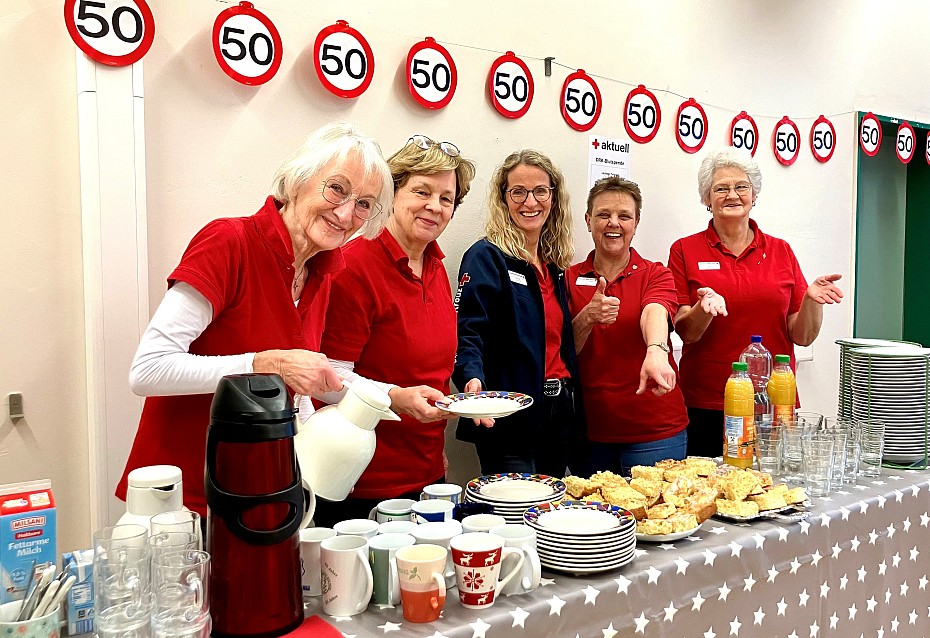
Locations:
(800, 283)
(212, 261)
(676, 264)
(660, 289)
(349, 317)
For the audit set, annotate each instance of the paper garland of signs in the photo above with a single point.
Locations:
(581, 101)
(510, 85)
(823, 139)
(112, 32)
(870, 135)
(927, 148)
(246, 44)
(905, 142)
(343, 60)
(691, 126)
(607, 158)
(786, 141)
(642, 115)
(744, 134)
(431, 74)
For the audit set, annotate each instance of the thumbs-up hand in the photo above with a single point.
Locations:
(602, 308)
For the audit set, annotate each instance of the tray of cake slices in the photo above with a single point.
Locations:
(749, 495)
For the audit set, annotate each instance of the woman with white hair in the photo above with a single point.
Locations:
(250, 295)
(734, 281)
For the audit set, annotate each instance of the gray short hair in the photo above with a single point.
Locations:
(724, 158)
(327, 144)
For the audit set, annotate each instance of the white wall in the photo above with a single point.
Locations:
(212, 145)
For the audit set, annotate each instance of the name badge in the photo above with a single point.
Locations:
(708, 265)
(586, 281)
(517, 277)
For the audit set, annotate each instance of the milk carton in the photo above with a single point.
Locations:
(27, 535)
(79, 601)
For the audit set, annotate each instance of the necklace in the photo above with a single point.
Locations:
(298, 278)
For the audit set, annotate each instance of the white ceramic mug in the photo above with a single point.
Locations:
(482, 522)
(392, 509)
(356, 527)
(442, 491)
(439, 533)
(346, 575)
(432, 511)
(478, 558)
(310, 540)
(381, 551)
(522, 537)
(396, 527)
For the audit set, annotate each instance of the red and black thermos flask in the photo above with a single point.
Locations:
(256, 503)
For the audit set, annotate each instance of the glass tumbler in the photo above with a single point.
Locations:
(818, 463)
(122, 582)
(871, 447)
(182, 596)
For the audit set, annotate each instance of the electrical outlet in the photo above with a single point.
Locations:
(16, 405)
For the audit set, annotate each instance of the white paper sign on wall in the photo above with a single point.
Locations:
(344, 62)
(691, 126)
(744, 134)
(607, 158)
(581, 101)
(642, 115)
(905, 142)
(246, 44)
(870, 135)
(822, 139)
(431, 74)
(510, 86)
(786, 141)
(112, 32)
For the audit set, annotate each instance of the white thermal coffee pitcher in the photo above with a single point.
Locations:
(336, 443)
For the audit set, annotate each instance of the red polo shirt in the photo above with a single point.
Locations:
(401, 329)
(609, 363)
(555, 367)
(244, 267)
(762, 287)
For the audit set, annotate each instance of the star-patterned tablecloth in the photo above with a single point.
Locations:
(858, 566)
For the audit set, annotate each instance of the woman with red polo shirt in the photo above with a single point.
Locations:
(733, 281)
(391, 318)
(622, 306)
(250, 295)
(514, 329)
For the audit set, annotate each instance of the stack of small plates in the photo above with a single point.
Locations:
(582, 538)
(511, 494)
(890, 383)
(844, 403)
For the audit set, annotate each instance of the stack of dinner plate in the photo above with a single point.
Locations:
(511, 494)
(582, 538)
(844, 402)
(891, 383)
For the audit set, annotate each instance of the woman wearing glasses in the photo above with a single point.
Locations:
(391, 319)
(733, 281)
(514, 330)
(250, 295)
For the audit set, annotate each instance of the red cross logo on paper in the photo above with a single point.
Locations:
(464, 280)
(596, 144)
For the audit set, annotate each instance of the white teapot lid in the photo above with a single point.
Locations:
(155, 476)
(370, 394)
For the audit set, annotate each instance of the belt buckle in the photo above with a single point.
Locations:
(552, 387)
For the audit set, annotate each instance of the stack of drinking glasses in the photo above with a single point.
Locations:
(152, 583)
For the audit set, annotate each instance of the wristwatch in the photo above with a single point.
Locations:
(664, 346)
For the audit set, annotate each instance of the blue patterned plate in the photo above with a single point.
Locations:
(578, 518)
(515, 487)
(488, 404)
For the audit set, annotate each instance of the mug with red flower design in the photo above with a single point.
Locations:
(480, 570)
(46, 626)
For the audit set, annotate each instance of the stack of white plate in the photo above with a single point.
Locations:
(511, 494)
(844, 403)
(891, 384)
(582, 538)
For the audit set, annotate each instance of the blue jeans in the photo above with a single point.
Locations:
(620, 457)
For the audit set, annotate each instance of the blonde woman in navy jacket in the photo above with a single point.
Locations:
(514, 328)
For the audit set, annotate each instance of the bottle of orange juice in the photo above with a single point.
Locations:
(783, 389)
(739, 431)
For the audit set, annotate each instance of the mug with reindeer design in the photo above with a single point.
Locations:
(483, 566)
(422, 586)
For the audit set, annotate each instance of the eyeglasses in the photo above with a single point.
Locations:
(519, 194)
(741, 189)
(337, 192)
(426, 143)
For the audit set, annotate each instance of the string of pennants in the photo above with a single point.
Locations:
(248, 49)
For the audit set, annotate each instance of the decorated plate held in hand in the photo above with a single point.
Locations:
(487, 404)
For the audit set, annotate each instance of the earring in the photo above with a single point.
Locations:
(708, 209)
(753, 204)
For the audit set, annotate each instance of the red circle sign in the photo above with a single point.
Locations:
(642, 115)
(823, 139)
(691, 126)
(581, 101)
(343, 60)
(870, 135)
(246, 44)
(786, 141)
(905, 142)
(510, 85)
(744, 134)
(113, 32)
(927, 148)
(431, 74)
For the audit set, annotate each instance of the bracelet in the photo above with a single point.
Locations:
(663, 346)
